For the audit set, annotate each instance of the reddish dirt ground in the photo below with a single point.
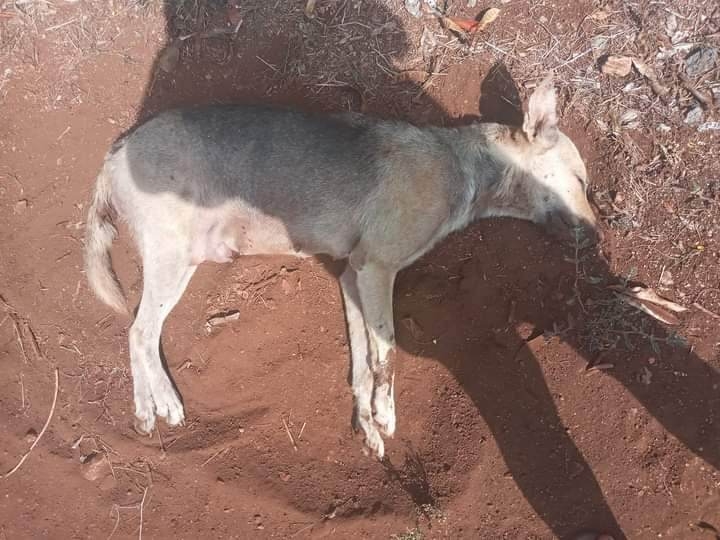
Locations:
(503, 431)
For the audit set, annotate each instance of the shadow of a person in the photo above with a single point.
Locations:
(260, 53)
(500, 371)
(527, 284)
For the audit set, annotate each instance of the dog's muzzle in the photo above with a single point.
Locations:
(570, 227)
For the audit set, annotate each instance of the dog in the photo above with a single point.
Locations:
(213, 183)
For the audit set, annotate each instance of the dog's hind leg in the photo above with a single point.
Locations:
(361, 375)
(375, 286)
(166, 273)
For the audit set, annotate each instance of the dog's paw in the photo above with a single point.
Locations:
(373, 444)
(144, 415)
(167, 402)
(384, 410)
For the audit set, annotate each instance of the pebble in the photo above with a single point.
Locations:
(95, 467)
(694, 115)
(700, 60)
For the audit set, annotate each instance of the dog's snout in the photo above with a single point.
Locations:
(576, 229)
(591, 232)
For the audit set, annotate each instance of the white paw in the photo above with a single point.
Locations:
(373, 440)
(144, 415)
(384, 409)
(167, 402)
(144, 408)
(156, 398)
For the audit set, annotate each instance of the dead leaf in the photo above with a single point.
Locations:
(222, 318)
(649, 73)
(666, 278)
(169, 58)
(601, 367)
(463, 26)
(599, 15)
(656, 312)
(648, 301)
(460, 25)
(310, 8)
(415, 329)
(487, 18)
(650, 295)
(617, 66)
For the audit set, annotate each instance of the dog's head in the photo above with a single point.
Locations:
(550, 171)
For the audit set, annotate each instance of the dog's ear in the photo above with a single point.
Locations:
(541, 123)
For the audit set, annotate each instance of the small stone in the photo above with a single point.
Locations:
(413, 7)
(645, 377)
(709, 126)
(666, 279)
(169, 58)
(599, 44)
(20, 206)
(694, 115)
(94, 467)
(524, 330)
(617, 66)
(700, 60)
(30, 435)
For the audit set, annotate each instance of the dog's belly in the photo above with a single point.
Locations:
(220, 235)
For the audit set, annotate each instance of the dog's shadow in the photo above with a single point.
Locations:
(497, 368)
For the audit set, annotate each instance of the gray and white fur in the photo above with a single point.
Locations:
(213, 183)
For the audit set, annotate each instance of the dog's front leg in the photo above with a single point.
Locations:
(362, 376)
(375, 286)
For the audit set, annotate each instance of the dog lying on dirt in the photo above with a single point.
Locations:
(212, 183)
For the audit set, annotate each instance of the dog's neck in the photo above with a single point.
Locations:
(490, 158)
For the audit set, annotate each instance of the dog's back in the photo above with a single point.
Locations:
(330, 180)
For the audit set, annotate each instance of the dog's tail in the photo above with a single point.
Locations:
(100, 232)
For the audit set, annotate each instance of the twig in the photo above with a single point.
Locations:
(705, 310)
(18, 335)
(571, 60)
(287, 430)
(216, 454)
(276, 70)
(58, 26)
(162, 445)
(22, 392)
(42, 432)
(142, 504)
(117, 521)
